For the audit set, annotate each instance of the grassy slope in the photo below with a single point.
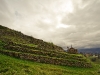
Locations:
(13, 66)
(16, 44)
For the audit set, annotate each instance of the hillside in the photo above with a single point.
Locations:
(18, 45)
(9, 35)
(13, 66)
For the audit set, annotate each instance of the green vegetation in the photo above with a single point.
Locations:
(16, 44)
(13, 66)
(30, 45)
(1, 44)
(36, 57)
(95, 60)
(75, 60)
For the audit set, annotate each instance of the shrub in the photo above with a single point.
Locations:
(93, 59)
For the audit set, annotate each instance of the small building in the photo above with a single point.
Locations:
(72, 50)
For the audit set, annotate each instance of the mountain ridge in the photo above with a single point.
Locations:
(90, 50)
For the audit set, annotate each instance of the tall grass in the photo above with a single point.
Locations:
(13, 66)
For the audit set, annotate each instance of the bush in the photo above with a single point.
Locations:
(93, 59)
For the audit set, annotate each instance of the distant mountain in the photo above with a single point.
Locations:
(89, 50)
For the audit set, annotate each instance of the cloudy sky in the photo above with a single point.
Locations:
(63, 22)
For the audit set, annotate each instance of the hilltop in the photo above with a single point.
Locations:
(18, 45)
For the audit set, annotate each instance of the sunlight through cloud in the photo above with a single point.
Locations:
(62, 26)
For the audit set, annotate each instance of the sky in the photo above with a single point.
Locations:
(63, 22)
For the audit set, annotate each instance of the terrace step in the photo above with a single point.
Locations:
(45, 53)
(46, 59)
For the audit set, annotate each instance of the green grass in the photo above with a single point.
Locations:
(31, 45)
(14, 66)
